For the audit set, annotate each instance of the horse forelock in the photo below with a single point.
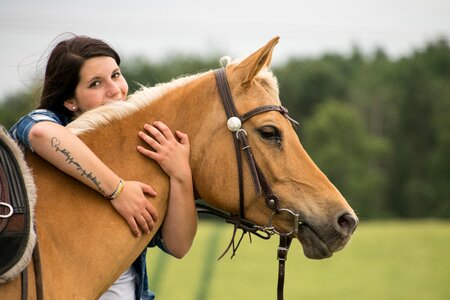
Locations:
(106, 114)
(269, 81)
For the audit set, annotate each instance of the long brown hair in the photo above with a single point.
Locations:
(62, 73)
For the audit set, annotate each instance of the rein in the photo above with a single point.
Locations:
(261, 186)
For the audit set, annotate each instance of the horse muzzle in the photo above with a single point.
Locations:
(321, 241)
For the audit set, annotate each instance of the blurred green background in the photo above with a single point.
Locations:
(389, 260)
(379, 128)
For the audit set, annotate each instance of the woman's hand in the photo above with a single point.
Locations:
(171, 155)
(135, 208)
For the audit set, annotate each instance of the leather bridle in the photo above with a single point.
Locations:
(260, 183)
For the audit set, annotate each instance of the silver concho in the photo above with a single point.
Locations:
(234, 124)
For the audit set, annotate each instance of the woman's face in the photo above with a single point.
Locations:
(100, 82)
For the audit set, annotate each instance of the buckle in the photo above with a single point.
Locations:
(282, 253)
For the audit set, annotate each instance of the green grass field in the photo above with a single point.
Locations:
(384, 260)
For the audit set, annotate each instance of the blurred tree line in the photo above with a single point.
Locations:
(379, 128)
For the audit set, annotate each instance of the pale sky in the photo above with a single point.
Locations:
(156, 28)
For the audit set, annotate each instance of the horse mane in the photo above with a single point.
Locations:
(106, 114)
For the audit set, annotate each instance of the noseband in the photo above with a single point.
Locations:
(261, 186)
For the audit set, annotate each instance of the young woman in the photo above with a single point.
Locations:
(83, 73)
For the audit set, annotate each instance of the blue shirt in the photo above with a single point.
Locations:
(21, 131)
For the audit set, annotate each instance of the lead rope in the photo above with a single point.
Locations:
(283, 249)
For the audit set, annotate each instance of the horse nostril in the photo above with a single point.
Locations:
(347, 223)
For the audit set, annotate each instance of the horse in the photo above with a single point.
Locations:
(85, 245)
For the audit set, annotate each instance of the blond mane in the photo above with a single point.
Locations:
(106, 114)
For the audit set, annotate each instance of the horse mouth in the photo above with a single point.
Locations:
(313, 246)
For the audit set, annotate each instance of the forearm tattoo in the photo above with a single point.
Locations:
(56, 145)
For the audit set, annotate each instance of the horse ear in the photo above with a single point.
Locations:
(250, 67)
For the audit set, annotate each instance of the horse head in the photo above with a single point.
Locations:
(310, 207)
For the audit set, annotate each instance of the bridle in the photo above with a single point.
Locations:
(260, 183)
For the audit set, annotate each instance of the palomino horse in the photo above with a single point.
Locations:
(85, 245)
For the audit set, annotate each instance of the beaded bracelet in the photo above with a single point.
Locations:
(117, 191)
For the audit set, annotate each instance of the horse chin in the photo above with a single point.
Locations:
(313, 246)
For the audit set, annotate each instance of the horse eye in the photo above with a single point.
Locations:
(270, 133)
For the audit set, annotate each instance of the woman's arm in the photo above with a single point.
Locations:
(180, 224)
(67, 152)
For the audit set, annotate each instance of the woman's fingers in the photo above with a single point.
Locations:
(133, 226)
(149, 218)
(148, 190)
(160, 132)
(149, 140)
(136, 209)
(146, 152)
(164, 129)
(149, 214)
(145, 222)
(159, 136)
(184, 139)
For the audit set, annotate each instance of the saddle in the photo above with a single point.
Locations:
(17, 200)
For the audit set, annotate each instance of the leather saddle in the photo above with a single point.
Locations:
(17, 199)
